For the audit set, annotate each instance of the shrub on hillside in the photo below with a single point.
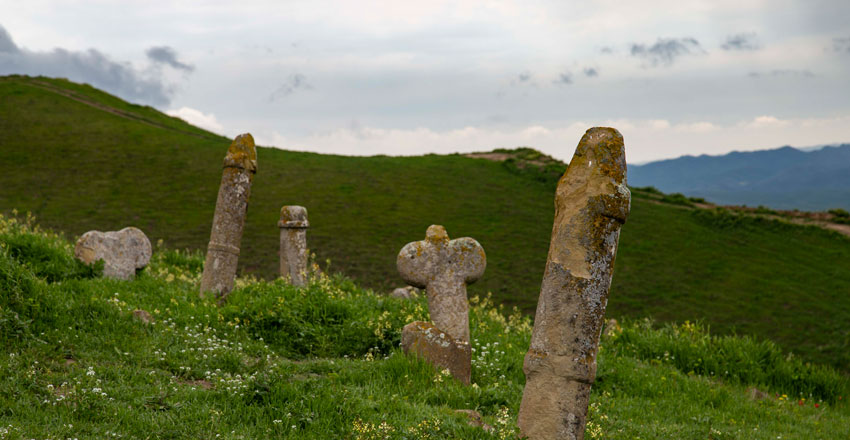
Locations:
(548, 173)
(44, 253)
(761, 209)
(838, 212)
(331, 317)
(648, 189)
(19, 299)
(676, 199)
(840, 216)
(738, 359)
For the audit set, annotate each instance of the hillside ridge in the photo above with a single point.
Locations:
(78, 168)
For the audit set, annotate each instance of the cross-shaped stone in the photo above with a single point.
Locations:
(444, 268)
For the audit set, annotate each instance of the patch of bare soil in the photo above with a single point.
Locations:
(843, 229)
(205, 384)
(496, 157)
(837, 227)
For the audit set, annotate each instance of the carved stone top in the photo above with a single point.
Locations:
(422, 262)
(593, 189)
(293, 217)
(242, 153)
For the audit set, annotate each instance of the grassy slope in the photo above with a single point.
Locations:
(322, 362)
(80, 168)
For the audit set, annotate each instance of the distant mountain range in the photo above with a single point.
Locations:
(783, 178)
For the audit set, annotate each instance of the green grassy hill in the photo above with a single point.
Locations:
(322, 362)
(80, 159)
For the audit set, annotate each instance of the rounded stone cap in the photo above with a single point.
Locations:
(604, 146)
(293, 216)
(436, 234)
(242, 153)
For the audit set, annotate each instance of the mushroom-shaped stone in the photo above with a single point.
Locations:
(293, 244)
(231, 207)
(122, 251)
(443, 268)
(242, 154)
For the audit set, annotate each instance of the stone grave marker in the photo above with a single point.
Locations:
(240, 165)
(406, 292)
(293, 244)
(122, 252)
(439, 348)
(443, 268)
(592, 202)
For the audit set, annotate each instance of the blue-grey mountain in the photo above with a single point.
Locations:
(783, 178)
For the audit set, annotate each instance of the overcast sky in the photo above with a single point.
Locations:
(394, 77)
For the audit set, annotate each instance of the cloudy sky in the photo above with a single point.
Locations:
(394, 77)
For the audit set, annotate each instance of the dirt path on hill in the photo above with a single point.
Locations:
(495, 157)
(126, 115)
(841, 229)
(837, 227)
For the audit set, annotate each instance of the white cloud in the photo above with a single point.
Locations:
(764, 122)
(697, 127)
(659, 124)
(435, 76)
(198, 118)
(646, 140)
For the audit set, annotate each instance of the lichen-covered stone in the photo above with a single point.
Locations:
(143, 315)
(123, 252)
(439, 348)
(473, 418)
(407, 292)
(444, 268)
(240, 165)
(293, 244)
(591, 204)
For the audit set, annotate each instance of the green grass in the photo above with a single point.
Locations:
(78, 167)
(323, 362)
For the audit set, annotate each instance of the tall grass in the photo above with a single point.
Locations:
(737, 359)
(323, 361)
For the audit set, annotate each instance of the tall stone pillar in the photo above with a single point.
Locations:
(293, 244)
(240, 165)
(591, 204)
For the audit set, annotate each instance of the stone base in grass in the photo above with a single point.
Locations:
(438, 348)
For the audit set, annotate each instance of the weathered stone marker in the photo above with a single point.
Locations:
(122, 252)
(444, 268)
(240, 165)
(591, 203)
(439, 348)
(406, 292)
(293, 244)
